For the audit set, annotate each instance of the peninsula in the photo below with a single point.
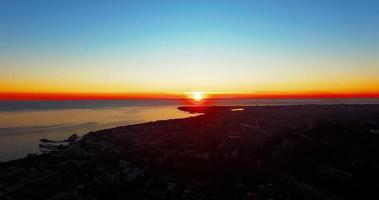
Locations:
(239, 152)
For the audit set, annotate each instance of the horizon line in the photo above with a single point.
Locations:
(172, 96)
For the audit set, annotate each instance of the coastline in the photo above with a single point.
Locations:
(212, 110)
(256, 143)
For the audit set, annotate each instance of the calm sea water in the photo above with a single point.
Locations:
(24, 123)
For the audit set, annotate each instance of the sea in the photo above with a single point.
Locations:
(24, 123)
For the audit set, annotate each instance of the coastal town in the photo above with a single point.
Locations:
(320, 152)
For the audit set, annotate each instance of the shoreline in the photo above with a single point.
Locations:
(212, 109)
(266, 151)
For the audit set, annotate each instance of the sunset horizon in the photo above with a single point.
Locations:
(189, 99)
(151, 48)
(183, 95)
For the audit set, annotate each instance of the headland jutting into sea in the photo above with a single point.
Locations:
(249, 152)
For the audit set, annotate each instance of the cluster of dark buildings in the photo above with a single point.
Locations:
(257, 152)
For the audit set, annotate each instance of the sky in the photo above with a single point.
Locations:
(174, 47)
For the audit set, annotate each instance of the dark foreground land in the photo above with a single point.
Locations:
(278, 152)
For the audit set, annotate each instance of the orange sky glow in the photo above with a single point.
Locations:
(226, 49)
(185, 95)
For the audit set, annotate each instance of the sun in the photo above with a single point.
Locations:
(197, 96)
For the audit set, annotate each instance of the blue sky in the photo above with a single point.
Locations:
(132, 45)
